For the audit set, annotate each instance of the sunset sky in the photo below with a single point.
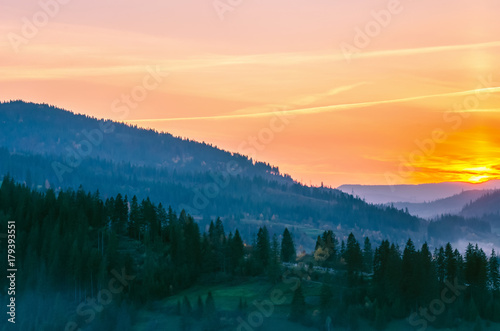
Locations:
(339, 92)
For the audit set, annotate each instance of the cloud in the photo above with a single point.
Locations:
(298, 101)
(322, 109)
(425, 50)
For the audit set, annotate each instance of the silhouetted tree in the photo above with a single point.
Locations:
(287, 247)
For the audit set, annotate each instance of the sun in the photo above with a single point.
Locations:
(478, 174)
(476, 179)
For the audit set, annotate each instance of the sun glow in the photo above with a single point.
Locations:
(478, 179)
(479, 174)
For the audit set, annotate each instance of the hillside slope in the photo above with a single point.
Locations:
(489, 204)
(450, 205)
(418, 193)
(45, 147)
(47, 130)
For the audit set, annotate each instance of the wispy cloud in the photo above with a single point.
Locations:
(425, 50)
(298, 101)
(323, 109)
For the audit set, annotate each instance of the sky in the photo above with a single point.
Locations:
(332, 92)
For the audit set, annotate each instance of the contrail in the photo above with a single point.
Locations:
(424, 50)
(322, 109)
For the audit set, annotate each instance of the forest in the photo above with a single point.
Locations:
(201, 179)
(71, 243)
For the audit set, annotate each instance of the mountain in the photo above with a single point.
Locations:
(47, 147)
(380, 194)
(47, 130)
(488, 204)
(450, 205)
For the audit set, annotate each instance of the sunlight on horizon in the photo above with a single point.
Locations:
(343, 119)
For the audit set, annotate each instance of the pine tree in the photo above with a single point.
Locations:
(330, 244)
(409, 268)
(134, 219)
(367, 256)
(440, 264)
(380, 269)
(120, 214)
(428, 283)
(494, 272)
(237, 251)
(482, 272)
(192, 247)
(319, 243)
(274, 261)
(162, 217)
(393, 273)
(353, 255)
(342, 250)
(263, 249)
(219, 230)
(288, 252)
(450, 263)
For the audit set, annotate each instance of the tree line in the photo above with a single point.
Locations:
(389, 283)
(70, 242)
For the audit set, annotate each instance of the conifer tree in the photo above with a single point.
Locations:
(288, 252)
(494, 272)
(237, 251)
(274, 262)
(263, 249)
(367, 256)
(353, 255)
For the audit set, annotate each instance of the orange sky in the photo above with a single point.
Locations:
(418, 102)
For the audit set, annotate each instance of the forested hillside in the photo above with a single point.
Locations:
(47, 130)
(450, 205)
(95, 263)
(205, 181)
(489, 204)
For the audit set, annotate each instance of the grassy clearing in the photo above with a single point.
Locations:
(227, 296)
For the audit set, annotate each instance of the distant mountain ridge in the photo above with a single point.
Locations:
(419, 193)
(488, 204)
(451, 205)
(37, 141)
(47, 130)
